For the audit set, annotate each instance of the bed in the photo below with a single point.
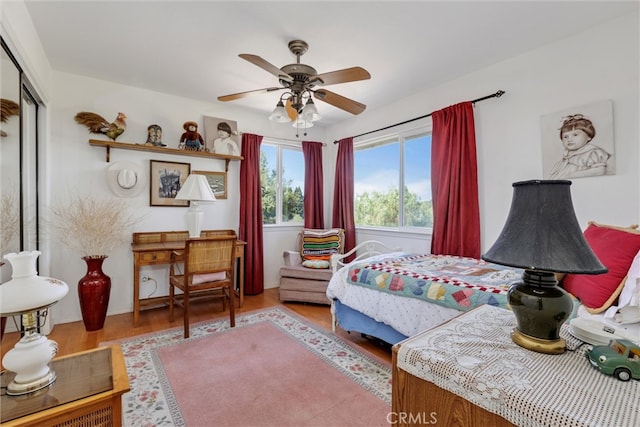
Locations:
(391, 295)
(611, 301)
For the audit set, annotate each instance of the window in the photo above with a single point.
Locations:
(282, 182)
(393, 181)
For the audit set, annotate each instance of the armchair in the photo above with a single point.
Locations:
(306, 272)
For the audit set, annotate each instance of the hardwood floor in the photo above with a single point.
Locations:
(72, 337)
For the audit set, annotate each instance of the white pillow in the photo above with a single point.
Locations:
(628, 309)
(211, 277)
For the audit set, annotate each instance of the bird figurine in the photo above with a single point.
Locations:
(97, 124)
(8, 108)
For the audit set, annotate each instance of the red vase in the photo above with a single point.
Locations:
(93, 291)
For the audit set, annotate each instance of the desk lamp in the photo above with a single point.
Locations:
(26, 294)
(196, 189)
(542, 236)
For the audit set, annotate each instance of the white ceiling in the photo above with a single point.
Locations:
(190, 48)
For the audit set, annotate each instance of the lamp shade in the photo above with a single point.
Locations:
(27, 291)
(302, 123)
(310, 112)
(196, 188)
(542, 232)
(279, 114)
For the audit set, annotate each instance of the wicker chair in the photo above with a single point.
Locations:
(208, 266)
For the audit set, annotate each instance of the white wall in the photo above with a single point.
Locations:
(601, 63)
(79, 167)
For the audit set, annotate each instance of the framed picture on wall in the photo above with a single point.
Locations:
(221, 136)
(166, 180)
(578, 142)
(217, 181)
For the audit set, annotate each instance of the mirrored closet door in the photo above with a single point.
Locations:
(19, 228)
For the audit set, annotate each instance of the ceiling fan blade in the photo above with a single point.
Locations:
(346, 104)
(352, 74)
(239, 95)
(267, 66)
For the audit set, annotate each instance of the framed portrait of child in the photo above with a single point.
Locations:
(578, 142)
(221, 136)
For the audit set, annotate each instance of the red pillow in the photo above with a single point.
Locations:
(615, 247)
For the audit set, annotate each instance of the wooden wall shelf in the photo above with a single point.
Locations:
(142, 147)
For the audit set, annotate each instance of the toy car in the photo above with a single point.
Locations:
(621, 358)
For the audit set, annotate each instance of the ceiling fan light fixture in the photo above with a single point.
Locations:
(302, 123)
(299, 81)
(279, 114)
(310, 112)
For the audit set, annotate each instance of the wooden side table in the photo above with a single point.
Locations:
(87, 392)
(468, 372)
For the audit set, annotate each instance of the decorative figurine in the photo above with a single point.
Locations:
(621, 358)
(191, 139)
(154, 136)
(8, 108)
(98, 124)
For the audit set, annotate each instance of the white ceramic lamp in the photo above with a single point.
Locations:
(26, 294)
(195, 189)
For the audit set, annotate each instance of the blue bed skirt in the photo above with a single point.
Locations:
(354, 321)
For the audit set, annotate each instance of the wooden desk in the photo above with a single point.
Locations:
(154, 248)
(87, 392)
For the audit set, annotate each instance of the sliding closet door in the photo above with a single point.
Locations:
(19, 229)
(29, 171)
(19, 224)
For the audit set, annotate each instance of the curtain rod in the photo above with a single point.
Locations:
(299, 141)
(498, 94)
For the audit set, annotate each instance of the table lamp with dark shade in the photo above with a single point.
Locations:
(542, 235)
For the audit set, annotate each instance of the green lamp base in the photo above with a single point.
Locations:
(540, 307)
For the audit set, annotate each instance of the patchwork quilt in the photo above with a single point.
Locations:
(456, 282)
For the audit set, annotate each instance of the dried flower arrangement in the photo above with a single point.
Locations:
(93, 227)
(10, 224)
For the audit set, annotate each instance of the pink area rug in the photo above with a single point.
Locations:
(272, 369)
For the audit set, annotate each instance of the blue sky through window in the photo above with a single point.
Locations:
(375, 170)
(292, 163)
(378, 169)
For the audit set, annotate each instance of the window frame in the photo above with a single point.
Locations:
(281, 145)
(400, 137)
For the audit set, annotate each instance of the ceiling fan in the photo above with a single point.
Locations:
(300, 81)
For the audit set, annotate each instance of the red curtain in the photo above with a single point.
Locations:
(454, 182)
(313, 187)
(343, 194)
(250, 229)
